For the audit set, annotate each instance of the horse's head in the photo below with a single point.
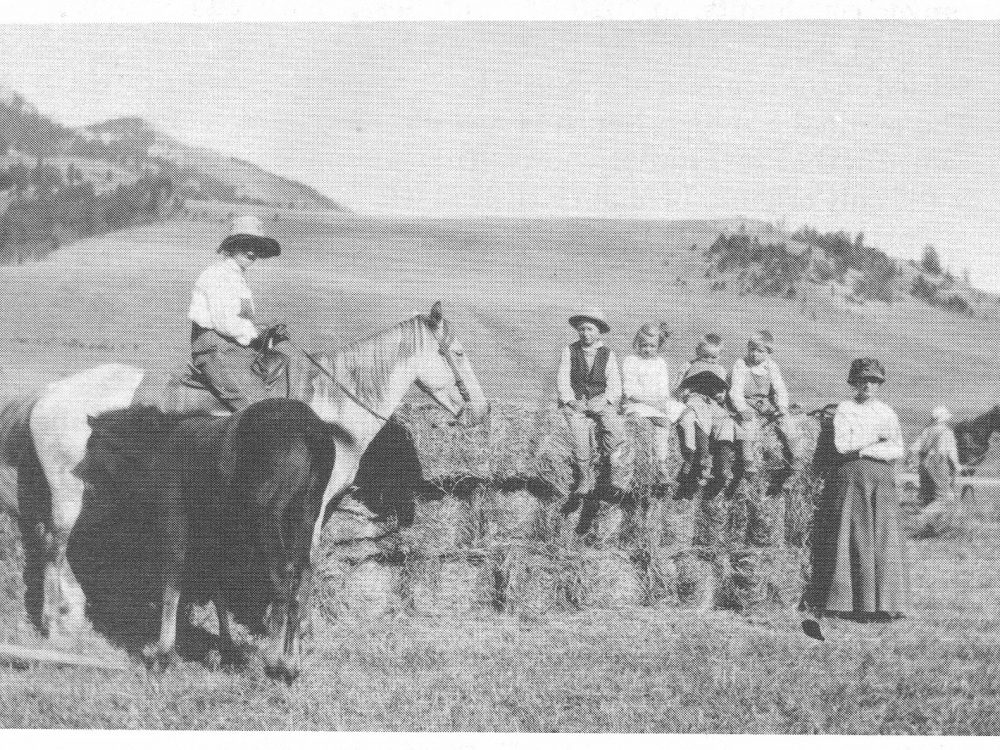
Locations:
(446, 374)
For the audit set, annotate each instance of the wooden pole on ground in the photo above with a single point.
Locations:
(9, 652)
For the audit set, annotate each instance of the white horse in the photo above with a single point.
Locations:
(358, 387)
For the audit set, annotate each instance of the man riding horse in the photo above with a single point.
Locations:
(232, 357)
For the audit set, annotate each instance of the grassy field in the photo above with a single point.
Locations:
(508, 287)
(634, 671)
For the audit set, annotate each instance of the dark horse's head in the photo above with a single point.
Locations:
(973, 436)
(281, 455)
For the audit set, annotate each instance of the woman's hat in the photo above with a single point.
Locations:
(594, 316)
(941, 414)
(705, 377)
(247, 233)
(866, 368)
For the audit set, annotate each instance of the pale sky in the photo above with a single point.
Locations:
(890, 128)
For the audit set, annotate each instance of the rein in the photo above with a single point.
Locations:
(341, 386)
(443, 349)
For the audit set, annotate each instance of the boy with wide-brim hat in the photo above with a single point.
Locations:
(589, 390)
(231, 354)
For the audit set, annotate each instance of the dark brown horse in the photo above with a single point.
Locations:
(235, 500)
(973, 436)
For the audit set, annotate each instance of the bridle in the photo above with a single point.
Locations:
(444, 349)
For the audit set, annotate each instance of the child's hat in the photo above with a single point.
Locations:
(593, 315)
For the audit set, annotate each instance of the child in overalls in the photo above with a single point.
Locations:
(757, 391)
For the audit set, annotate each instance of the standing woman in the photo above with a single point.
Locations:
(225, 342)
(859, 559)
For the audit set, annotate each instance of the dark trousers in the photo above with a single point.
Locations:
(227, 368)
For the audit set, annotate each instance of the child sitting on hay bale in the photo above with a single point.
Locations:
(646, 392)
(590, 389)
(704, 421)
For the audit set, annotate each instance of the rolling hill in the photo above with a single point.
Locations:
(122, 150)
(508, 286)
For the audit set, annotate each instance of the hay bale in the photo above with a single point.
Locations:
(516, 442)
(441, 524)
(670, 521)
(365, 591)
(762, 578)
(448, 585)
(345, 527)
(800, 504)
(610, 580)
(696, 579)
(712, 517)
(518, 514)
(662, 577)
(765, 516)
(530, 583)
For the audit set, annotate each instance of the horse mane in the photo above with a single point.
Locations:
(137, 428)
(367, 364)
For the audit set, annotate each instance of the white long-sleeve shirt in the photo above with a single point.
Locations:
(937, 439)
(222, 301)
(613, 392)
(745, 374)
(872, 428)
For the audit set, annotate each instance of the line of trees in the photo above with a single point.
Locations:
(35, 224)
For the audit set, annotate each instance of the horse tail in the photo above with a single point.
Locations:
(18, 462)
(284, 455)
(15, 430)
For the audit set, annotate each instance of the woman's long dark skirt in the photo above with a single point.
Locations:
(859, 563)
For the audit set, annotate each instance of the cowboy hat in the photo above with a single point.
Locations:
(594, 316)
(705, 377)
(247, 233)
(866, 368)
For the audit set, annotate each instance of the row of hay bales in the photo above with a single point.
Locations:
(480, 518)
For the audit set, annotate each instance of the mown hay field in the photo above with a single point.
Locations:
(636, 670)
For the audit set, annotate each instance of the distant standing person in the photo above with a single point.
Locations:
(590, 390)
(858, 553)
(937, 453)
(646, 392)
(225, 342)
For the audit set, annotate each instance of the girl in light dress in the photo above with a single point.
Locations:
(646, 391)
